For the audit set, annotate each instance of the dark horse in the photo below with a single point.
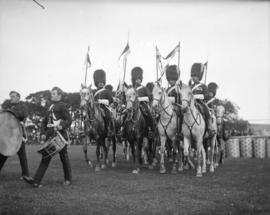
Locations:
(135, 128)
(94, 126)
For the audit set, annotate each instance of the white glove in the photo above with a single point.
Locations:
(103, 101)
(199, 96)
(143, 99)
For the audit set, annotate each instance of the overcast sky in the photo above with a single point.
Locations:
(40, 48)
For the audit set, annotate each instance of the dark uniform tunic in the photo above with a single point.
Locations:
(105, 94)
(57, 111)
(20, 111)
(142, 91)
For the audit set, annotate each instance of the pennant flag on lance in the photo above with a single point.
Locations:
(172, 53)
(125, 52)
(87, 59)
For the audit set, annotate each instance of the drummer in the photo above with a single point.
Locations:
(19, 109)
(57, 118)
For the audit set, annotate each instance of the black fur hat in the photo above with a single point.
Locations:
(212, 87)
(99, 76)
(136, 73)
(171, 73)
(197, 70)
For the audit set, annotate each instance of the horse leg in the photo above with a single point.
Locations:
(162, 152)
(2, 161)
(150, 153)
(114, 152)
(105, 145)
(222, 150)
(138, 164)
(98, 156)
(203, 160)
(84, 141)
(144, 150)
(213, 153)
(199, 161)
(154, 148)
(174, 155)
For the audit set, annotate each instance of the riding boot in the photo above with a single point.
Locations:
(179, 135)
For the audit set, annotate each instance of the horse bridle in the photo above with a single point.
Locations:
(160, 103)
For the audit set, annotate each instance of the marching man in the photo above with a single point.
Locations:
(57, 119)
(19, 109)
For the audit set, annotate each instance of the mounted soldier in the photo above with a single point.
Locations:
(144, 96)
(172, 77)
(104, 97)
(200, 93)
(211, 100)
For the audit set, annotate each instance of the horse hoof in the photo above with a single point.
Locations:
(174, 171)
(150, 167)
(199, 175)
(216, 165)
(107, 162)
(113, 164)
(186, 167)
(103, 166)
(204, 170)
(211, 169)
(170, 160)
(97, 169)
(90, 164)
(180, 169)
(136, 171)
(208, 162)
(162, 171)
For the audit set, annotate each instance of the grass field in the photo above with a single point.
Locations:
(240, 186)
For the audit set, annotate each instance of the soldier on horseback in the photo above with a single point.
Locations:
(104, 97)
(200, 93)
(172, 77)
(211, 100)
(144, 96)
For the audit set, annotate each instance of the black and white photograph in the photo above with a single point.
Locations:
(134, 107)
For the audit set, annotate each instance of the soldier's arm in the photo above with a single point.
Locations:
(65, 116)
(6, 105)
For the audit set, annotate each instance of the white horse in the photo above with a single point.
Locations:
(167, 126)
(193, 127)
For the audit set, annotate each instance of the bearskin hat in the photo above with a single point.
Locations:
(197, 70)
(212, 87)
(99, 76)
(136, 73)
(171, 73)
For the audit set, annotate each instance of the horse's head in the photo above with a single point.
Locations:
(157, 93)
(186, 96)
(131, 97)
(85, 94)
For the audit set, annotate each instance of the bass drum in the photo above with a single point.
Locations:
(11, 134)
